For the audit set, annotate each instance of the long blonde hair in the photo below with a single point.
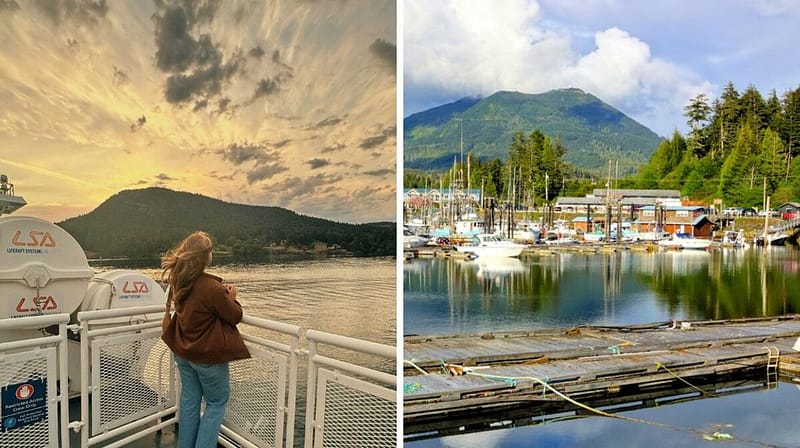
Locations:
(185, 263)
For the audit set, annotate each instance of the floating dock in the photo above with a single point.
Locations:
(538, 249)
(490, 377)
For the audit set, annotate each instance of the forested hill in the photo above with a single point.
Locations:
(148, 222)
(592, 131)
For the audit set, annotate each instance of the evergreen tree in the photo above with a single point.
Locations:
(697, 114)
(738, 173)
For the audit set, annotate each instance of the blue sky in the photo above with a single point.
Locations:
(648, 58)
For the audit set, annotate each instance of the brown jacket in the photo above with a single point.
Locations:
(203, 328)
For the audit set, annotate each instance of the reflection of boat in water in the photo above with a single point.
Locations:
(487, 245)
(684, 241)
(494, 268)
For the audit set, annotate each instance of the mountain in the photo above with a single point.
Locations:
(592, 131)
(148, 222)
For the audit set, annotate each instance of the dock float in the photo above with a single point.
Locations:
(490, 377)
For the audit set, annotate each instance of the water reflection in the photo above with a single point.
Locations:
(457, 296)
(558, 411)
(754, 418)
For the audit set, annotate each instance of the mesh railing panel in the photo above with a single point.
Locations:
(122, 391)
(157, 373)
(19, 368)
(255, 408)
(355, 418)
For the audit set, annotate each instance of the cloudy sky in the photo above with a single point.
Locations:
(283, 103)
(645, 58)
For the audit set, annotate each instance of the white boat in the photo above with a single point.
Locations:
(470, 227)
(488, 245)
(526, 232)
(653, 236)
(594, 237)
(734, 239)
(681, 240)
(553, 237)
(412, 241)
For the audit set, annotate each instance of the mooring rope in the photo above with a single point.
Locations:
(568, 399)
(714, 436)
(411, 363)
(704, 392)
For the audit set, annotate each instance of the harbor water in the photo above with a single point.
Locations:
(564, 290)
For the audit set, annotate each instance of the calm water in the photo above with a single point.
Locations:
(354, 297)
(767, 418)
(564, 290)
(560, 291)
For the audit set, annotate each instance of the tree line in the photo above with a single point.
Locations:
(739, 148)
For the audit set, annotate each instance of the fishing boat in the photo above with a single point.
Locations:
(486, 245)
(681, 240)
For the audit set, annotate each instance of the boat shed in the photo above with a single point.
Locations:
(631, 200)
(640, 197)
(685, 219)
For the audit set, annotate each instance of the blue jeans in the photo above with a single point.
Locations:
(199, 381)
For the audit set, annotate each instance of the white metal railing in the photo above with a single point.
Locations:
(261, 409)
(349, 405)
(33, 359)
(128, 383)
(132, 386)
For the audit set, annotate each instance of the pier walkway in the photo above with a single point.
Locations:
(501, 373)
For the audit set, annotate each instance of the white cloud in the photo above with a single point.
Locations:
(473, 48)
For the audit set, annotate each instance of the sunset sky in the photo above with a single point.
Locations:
(282, 103)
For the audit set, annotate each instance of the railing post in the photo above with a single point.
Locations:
(63, 380)
(84, 338)
(290, 411)
(311, 395)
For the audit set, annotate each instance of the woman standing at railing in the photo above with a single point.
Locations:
(203, 336)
